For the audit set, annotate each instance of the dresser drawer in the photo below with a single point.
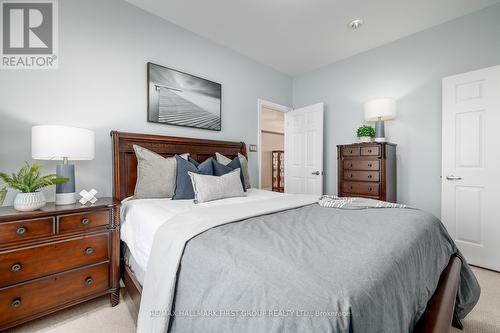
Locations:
(26, 229)
(362, 165)
(370, 151)
(82, 221)
(369, 176)
(361, 188)
(27, 299)
(32, 262)
(350, 151)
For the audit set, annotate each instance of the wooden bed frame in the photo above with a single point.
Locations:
(439, 314)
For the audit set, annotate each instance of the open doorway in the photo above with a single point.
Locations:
(272, 146)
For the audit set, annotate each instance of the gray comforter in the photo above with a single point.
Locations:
(316, 269)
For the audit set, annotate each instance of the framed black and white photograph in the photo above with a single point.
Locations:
(182, 99)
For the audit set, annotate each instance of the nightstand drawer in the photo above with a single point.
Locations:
(361, 188)
(36, 261)
(82, 221)
(369, 176)
(27, 299)
(370, 151)
(361, 164)
(350, 151)
(26, 229)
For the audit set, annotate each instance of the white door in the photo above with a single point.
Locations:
(471, 164)
(304, 150)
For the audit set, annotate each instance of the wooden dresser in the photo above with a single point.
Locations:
(367, 170)
(56, 257)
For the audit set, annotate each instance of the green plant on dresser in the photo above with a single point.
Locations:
(28, 181)
(365, 133)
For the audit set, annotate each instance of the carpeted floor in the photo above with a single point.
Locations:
(98, 316)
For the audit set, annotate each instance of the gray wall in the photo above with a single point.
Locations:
(409, 70)
(101, 85)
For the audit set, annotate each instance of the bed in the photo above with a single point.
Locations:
(437, 315)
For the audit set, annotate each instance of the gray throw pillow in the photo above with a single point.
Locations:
(155, 175)
(243, 162)
(209, 188)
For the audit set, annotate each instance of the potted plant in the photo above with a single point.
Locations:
(366, 133)
(29, 182)
(3, 194)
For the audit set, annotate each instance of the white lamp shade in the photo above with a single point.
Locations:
(49, 142)
(380, 109)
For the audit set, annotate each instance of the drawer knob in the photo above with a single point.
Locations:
(15, 303)
(85, 221)
(370, 165)
(370, 176)
(350, 175)
(21, 230)
(369, 150)
(369, 189)
(16, 267)
(351, 187)
(89, 251)
(351, 165)
(89, 281)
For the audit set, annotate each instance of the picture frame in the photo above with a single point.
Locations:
(182, 99)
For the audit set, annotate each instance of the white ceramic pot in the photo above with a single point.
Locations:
(365, 139)
(27, 202)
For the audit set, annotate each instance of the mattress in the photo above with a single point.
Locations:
(141, 218)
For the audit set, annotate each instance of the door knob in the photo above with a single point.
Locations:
(452, 177)
(315, 173)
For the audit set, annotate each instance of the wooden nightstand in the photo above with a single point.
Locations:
(56, 257)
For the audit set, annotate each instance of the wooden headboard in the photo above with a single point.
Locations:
(125, 162)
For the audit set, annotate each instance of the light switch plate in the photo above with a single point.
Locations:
(253, 148)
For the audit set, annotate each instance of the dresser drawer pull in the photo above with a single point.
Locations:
(89, 281)
(369, 176)
(369, 150)
(351, 165)
(89, 251)
(16, 267)
(85, 221)
(15, 303)
(370, 165)
(350, 176)
(21, 230)
(351, 187)
(369, 189)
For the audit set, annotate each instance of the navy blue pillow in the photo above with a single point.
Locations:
(183, 186)
(196, 164)
(221, 169)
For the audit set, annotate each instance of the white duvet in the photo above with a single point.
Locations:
(142, 218)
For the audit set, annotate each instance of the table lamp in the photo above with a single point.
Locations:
(63, 143)
(380, 110)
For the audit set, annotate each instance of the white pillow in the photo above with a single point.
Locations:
(209, 188)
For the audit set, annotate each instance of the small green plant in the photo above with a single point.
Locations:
(366, 130)
(3, 194)
(29, 180)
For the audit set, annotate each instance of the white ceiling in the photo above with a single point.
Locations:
(296, 36)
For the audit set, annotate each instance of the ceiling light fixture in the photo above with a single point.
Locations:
(356, 24)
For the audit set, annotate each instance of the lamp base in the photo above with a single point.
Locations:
(65, 198)
(65, 193)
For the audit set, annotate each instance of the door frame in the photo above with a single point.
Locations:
(273, 106)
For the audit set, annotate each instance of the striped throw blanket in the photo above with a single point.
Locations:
(332, 201)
